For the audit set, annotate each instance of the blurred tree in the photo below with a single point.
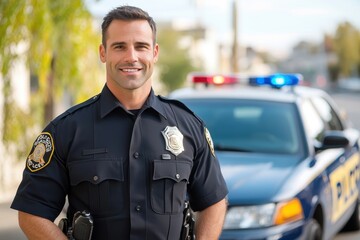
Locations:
(358, 43)
(61, 54)
(347, 48)
(174, 61)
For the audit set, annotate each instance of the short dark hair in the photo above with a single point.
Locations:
(126, 13)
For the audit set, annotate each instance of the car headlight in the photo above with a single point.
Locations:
(249, 216)
(263, 215)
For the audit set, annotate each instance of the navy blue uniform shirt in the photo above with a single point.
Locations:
(132, 172)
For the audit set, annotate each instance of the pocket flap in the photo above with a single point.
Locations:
(95, 171)
(175, 170)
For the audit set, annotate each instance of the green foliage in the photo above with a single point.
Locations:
(61, 45)
(12, 19)
(174, 61)
(17, 128)
(75, 48)
(12, 31)
(347, 48)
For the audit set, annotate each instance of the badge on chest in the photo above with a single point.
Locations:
(173, 140)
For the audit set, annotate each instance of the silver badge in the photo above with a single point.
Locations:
(173, 139)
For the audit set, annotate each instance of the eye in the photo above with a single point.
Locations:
(118, 47)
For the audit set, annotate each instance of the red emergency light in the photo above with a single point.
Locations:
(214, 79)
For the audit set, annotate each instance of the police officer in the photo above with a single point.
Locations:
(127, 156)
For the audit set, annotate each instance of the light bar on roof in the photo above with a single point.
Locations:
(277, 80)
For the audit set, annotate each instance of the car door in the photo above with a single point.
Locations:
(327, 163)
(344, 179)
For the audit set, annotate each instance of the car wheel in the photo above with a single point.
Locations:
(354, 222)
(315, 231)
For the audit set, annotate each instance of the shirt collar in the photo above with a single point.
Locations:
(154, 102)
(108, 102)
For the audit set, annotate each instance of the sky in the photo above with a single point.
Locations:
(269, 25)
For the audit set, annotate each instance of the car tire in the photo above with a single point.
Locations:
(315, 231)
(354, 222)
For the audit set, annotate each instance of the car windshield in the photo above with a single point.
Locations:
(249, 125)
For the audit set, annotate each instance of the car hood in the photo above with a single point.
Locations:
(254, 178)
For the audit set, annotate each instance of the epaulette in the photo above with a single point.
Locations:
(76, 107)
(181, 105)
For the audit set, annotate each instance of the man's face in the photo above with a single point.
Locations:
(130, 54)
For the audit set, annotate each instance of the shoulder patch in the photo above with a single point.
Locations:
(41, 152)
(209, 141)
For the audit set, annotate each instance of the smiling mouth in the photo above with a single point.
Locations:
(130, 70)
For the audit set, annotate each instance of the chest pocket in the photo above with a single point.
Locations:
(168, 188)
(99, 184)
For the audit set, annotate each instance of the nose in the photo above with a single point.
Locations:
(131, 55)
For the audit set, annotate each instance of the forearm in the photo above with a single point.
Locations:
(209, 222)
(38, 228)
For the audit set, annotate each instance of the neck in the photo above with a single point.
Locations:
(131, 99)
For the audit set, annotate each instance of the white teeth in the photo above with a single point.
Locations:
(130, 70)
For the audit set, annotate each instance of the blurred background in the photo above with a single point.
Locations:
(49, 54)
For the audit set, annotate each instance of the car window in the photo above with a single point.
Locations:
(327, 113)
(249, 125)
(314, 125)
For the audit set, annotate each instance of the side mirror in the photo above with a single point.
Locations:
(334, 139)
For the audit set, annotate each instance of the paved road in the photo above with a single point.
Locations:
(9, 229)
(351, 104)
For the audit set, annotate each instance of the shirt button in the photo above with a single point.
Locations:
(177, 176)
(95, 178)
(136, 155)
(138, 208)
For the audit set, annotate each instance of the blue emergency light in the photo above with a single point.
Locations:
(276, 80)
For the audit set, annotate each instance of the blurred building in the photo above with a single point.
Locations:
(215, 57)
(201, 42)
(311, 60)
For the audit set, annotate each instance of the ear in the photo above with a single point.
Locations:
(102, 53)
(156, 52)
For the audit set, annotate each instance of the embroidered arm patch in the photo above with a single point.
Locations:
(209, 141)
(41, 152)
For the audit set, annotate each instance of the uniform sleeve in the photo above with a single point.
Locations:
(207, 185)
(44, 186)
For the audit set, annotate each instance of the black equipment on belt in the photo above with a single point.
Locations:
(188, 227)
(81, 228)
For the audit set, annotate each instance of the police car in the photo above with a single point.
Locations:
(290, 161)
